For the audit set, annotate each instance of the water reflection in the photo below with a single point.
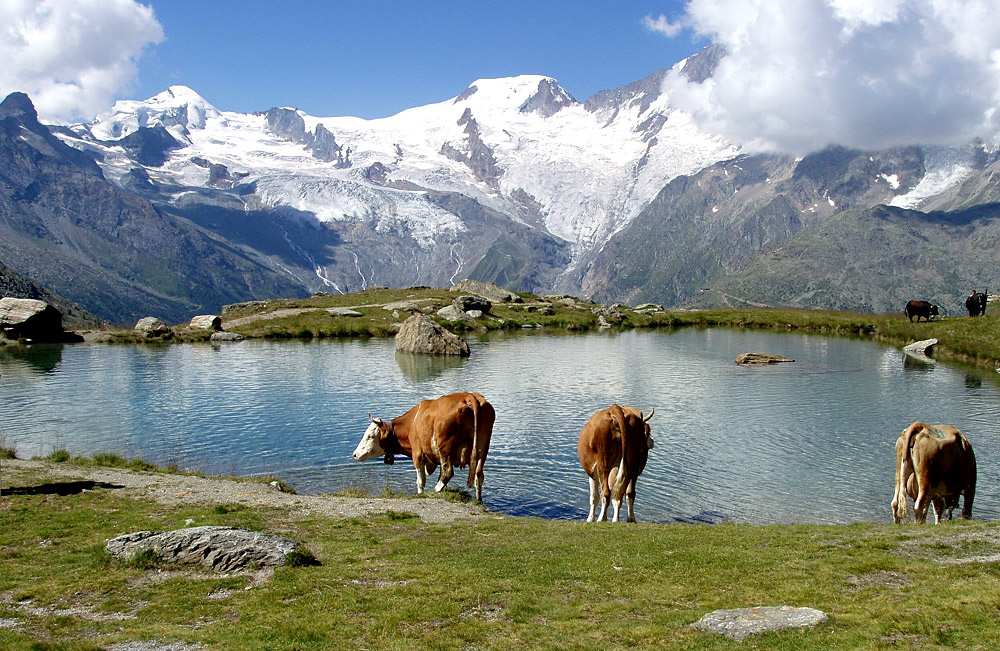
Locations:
(424, 367)
(809, 441)
(36, 357)
(917, 362)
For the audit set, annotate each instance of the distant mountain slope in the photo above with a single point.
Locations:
(63, 225)
(873, 259)
(74, 317)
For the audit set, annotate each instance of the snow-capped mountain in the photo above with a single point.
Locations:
(520, 147)
(620, 198)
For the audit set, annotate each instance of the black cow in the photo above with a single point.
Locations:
(976, 303)
(920, 309)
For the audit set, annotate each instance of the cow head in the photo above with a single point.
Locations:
(935, 310)
(372, 442)
(645, 424)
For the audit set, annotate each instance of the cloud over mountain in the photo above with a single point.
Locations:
(802, 74)
(72, 56)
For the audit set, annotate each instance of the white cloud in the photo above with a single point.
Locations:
(802, 74)
(662, 25)
(72, 56)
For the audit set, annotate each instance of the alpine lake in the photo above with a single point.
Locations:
(810, 441)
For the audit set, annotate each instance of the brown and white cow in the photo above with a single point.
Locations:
(613, 448)
(453, 430)
(934, 465)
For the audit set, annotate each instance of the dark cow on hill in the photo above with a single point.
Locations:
(935, 465)
(453, 430)
(613, 448)
(976, 303)
(920, 309)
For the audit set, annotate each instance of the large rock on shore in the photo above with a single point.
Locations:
(421, 334)
(29, 318)
(222, 549)
(152, 328)
(206, 322)
(486, 290)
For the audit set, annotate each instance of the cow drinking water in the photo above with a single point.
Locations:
(613, 448)
(453, 430)
(935, 464)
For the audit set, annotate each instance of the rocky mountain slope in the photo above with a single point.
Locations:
(170, 206)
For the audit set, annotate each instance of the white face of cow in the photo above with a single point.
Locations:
(369, 447)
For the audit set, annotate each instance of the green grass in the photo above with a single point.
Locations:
(393, 582)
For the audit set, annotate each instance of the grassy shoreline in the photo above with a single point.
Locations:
(970, 340)
(393, 582)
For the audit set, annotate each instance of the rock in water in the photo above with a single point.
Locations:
(747, 359)
(421, 334)
(223, 549)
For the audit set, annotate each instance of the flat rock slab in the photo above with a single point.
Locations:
(223, 549)
(924, 347)
(741, 623)
(747, 359)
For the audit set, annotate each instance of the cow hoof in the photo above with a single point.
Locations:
(438, 487)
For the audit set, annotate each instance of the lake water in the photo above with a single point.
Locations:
(810, 441)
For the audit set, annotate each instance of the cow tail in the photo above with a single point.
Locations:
(618, 419)
(474, 456)
(904, 460)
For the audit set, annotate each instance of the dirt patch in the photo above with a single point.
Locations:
(172, 490)
(883, 579)
(954, 546)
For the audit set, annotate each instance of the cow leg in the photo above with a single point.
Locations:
(630, 497)
(940, 510)
(920, 505)
(421, 477)
(969, 494)
(447, 472)
(595, 498)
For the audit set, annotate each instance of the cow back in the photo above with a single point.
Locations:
(941, 456)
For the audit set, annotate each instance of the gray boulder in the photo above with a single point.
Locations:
(453, 313)
(405, 306)
(222, 549)
(150, 327)
(740, 623)
(467, 303)
(30, 319)
(924, 347)
(206, 322)
(486, 290)
(421, 334)
(343, 311)
(749, 359)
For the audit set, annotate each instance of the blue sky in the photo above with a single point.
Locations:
(373, 59)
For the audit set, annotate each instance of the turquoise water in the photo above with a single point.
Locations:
(810, 441)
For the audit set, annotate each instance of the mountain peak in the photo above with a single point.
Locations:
(178, 106)
(18, 105)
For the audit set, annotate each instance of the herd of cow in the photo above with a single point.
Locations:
(975, 304)
(935, 464)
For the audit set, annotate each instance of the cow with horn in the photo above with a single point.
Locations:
(453, 430)
(613, 448)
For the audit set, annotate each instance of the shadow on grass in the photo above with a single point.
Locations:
(59, 488)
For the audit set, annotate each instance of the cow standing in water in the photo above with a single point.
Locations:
(613, 448)
(935, 464)
(453, 430)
